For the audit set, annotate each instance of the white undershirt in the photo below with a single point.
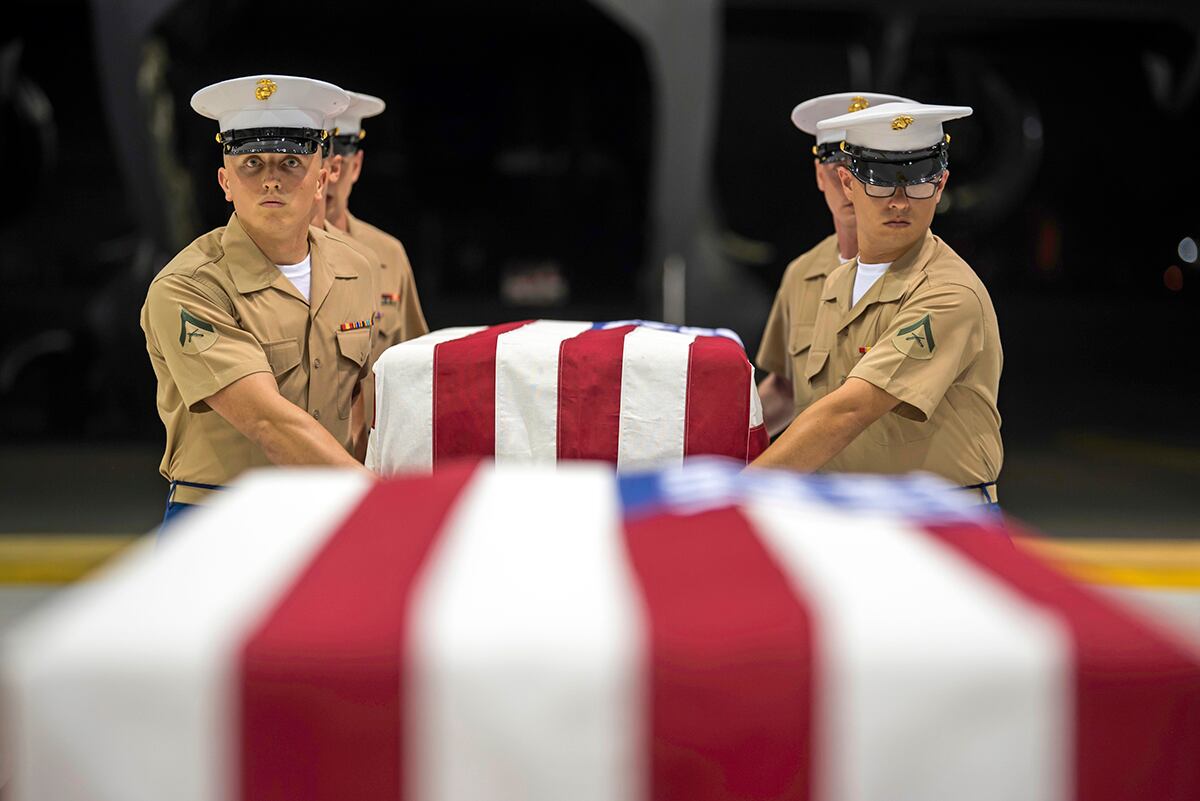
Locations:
(300, 275)
(864, 278)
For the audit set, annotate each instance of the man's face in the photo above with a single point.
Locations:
(343, 174)
(273, 191)
(831, 187)
(889, 225)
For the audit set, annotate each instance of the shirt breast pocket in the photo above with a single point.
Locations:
(815, 372)
(282, 355)
(353, 348)
(799, 343)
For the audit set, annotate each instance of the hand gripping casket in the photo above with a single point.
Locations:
(541, 633)
(639, 395)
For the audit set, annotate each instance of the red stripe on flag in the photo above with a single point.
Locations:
(589, 394)
(757, 442)
(464, 394)
(1137, 694)
(731, 675)
(718, 399)
(321, 703)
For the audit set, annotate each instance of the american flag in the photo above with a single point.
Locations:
(533, 633)
(636, 394)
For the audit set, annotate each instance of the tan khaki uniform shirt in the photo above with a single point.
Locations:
(789, 332)
(220, 311)
(926, 334)
(400, 317)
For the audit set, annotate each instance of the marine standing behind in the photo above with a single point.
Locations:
(905, 360)
(788, 335)
(400, 317)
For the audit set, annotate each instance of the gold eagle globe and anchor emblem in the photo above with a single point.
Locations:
(858, 103)
(901, 122)
(265, 88)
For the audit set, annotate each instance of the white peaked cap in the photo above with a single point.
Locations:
(270, 101)
(349, 122)
(895, 126)
(806, 115)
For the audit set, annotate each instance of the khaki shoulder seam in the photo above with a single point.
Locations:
(210, 290)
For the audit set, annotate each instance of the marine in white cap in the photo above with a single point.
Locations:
(788, 335)
(905, 358)
(259, 331)
(400, 316)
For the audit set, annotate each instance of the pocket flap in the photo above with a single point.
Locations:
(816, 363)
(355, 345)
(282, 355)
(800, 339)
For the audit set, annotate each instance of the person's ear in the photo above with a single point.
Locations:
(322, 177)
(937, 198)
(223, 181)
(336, 165)
(847, 181)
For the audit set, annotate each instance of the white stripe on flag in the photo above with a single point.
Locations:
(129, 680)
(756, 412)
(933, 679)
(527, 390)
(526, 642)
(403, 435)
(654, 375)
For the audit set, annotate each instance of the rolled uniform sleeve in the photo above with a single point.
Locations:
(933, 338)
(204, 348)
(772, 351)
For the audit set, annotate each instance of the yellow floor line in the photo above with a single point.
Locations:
(56, 559)
(1151, 564)
(60, 559)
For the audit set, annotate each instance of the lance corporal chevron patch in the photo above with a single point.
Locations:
(195, 335)
(916, 340)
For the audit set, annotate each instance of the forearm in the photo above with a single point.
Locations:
(289, 436)
(778, 405)
(284, 431)
(826, 427)
(813, 438)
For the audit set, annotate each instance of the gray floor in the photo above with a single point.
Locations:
(1073, 484)
(1078, 484)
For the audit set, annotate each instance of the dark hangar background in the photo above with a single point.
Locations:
(547, 158)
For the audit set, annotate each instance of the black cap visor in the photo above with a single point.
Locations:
(294, 141)
(347, 145)
(830, 153)
(897, 168)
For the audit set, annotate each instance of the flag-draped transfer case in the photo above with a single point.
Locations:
(632, 393)
(542, 633)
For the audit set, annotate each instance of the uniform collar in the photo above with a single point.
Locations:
(891, 286)
(905, 270)
(316, 237)
(253, 271)
(828, 261)
(324, 271)
(249, 266)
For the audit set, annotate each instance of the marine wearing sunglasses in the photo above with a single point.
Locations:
(921, 172)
